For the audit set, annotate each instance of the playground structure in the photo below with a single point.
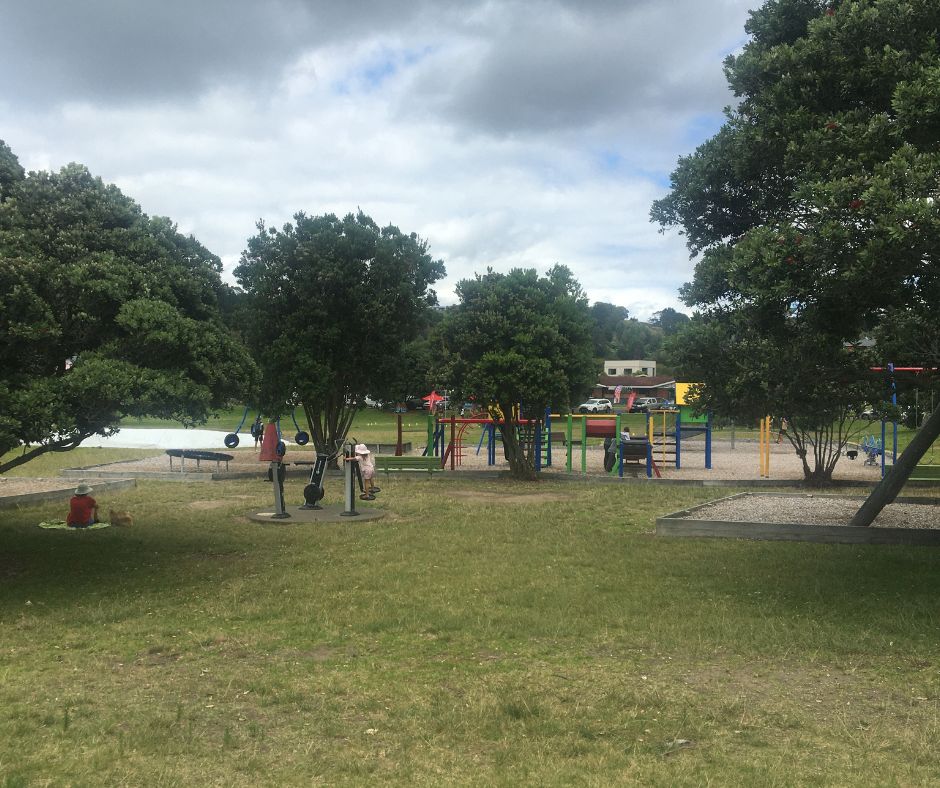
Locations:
(301, 438)
(660, 446)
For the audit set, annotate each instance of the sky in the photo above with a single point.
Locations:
(505, 133)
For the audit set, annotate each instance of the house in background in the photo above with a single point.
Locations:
(661, 386)
(630, 367)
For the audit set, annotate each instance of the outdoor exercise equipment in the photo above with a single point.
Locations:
(350, 468)
(313, 491)
(273, 450)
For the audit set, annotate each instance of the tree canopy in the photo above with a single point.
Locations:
(520, 340)
(331, 305)
(813, 212)
(104, 312)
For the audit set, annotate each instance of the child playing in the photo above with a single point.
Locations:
(83, 509)
(367, 468)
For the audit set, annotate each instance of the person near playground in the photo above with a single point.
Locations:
(367, 468)
(625, 434)
(782, 431)
(257, 431)
(83, 509)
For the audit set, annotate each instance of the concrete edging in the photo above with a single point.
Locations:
(12, 501)
(679, 525)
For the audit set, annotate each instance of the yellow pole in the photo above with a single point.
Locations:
(764, 453)
(663, 437)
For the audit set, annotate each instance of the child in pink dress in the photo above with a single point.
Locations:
(367, 467)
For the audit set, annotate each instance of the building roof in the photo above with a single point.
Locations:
(638, 382)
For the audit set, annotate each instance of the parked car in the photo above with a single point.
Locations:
(644, 404)
(595, 405)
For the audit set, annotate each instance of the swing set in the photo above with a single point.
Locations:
(301, 438)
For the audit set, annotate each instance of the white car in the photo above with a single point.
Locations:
(594, 405)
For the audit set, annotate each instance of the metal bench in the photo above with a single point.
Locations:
(407, 462)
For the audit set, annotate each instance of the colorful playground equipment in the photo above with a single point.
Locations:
(660, 447)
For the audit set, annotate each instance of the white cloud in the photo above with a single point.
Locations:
(506, 134)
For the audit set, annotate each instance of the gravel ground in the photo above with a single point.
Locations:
(20, 485)
(815, 510)
(740, 464)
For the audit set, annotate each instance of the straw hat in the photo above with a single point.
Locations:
(82, 489)
(361, 448)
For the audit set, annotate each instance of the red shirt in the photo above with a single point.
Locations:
(81, 510)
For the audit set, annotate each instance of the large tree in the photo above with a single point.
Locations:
(104, 312)
(520, 342)
(812, 210)
(608, 322)
(332, 304)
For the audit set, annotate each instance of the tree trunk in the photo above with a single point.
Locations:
(888, 488)
(520, 465)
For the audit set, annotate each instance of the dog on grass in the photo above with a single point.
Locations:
(121, 518)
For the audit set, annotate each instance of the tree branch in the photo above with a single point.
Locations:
(63, 444)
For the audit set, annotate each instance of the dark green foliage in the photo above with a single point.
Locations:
(331, 304)
(608, 323)
(104, 312)
(813, 210)
(520, 339)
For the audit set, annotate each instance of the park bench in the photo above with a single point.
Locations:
(407, 462)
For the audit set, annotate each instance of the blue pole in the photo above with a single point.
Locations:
(708, 441)
(894, 401)
(538, 447)
(548, 433)
(678, 439)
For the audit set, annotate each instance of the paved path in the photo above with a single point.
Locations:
(136, 438)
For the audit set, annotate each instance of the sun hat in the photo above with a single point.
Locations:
(361, 448)
(82, 489)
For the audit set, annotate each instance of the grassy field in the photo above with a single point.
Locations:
(489, 633)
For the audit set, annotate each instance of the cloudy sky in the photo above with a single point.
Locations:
(506, 133)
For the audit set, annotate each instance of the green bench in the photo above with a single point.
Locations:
(407, 462)
(926, 473)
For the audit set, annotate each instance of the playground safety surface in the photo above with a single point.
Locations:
(805, 517)
(328, 514)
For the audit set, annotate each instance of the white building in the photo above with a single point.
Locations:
(630, 367)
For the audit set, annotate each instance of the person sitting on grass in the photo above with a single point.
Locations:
(83, 509)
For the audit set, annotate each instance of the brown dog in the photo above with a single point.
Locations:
(121, 518)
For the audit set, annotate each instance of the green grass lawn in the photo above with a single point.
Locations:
(482, 633)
